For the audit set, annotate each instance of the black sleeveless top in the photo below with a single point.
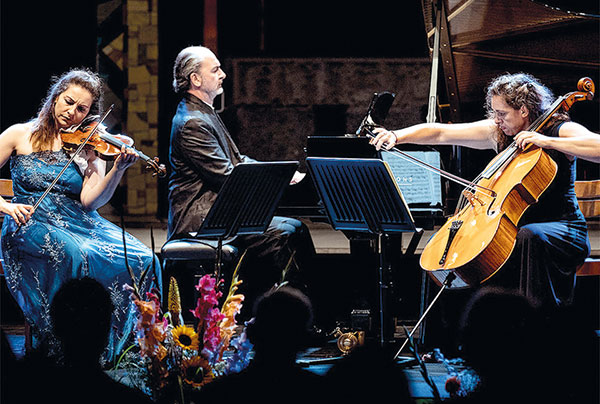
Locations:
(558, 202)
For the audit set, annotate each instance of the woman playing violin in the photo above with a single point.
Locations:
(65, 237)
(552, 238)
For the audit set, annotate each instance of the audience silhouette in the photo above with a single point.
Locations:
(279, 330)
(81, 313)
(368, 372)
(521, 354)
(525, 354)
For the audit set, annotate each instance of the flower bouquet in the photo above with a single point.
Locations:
(172, 358)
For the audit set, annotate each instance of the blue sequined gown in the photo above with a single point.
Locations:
(62, 240)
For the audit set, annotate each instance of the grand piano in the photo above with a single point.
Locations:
(301, 200)
(421, 189)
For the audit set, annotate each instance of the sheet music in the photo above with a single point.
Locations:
(418, 185)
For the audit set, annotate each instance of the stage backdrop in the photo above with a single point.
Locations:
(128, 61)
(277, 103)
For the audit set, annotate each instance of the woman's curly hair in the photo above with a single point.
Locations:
(518, 90)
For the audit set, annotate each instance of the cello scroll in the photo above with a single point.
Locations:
(586, 84)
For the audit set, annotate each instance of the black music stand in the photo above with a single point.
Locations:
(246, 202)
(361, 195)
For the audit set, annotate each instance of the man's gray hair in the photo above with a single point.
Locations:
(187, 62)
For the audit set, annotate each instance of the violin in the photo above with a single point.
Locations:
(89, 134)
(106, 146)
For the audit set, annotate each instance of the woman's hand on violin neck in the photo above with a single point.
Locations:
(19, 212)
(126, 158)
(384, 138)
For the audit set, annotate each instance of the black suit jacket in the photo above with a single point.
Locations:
(201, 155)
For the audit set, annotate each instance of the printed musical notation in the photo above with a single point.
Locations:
(418, 185)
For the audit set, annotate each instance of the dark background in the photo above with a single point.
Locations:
(43, 40)
(38, 42)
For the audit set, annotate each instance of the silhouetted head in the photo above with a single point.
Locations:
(282, 320)
(369, 370)
(499, 329)
(81, 314)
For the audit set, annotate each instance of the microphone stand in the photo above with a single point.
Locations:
(447, 282)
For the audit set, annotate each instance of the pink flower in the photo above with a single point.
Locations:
(201, 310)
(206, 284)
(212, 297)
(212, 333)
(209, 298)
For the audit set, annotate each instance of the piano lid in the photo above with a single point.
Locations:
(491, 37)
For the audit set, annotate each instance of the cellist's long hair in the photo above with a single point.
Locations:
(517, 90)
(44, 125)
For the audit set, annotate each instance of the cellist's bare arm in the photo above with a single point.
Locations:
(477, 135)
(573, 139)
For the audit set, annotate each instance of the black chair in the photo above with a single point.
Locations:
(191, 249)
(187, 260)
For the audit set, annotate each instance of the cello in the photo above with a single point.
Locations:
(479, 238)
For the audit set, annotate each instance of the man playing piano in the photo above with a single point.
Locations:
(202, 154)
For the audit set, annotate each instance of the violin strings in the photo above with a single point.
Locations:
(152, 163)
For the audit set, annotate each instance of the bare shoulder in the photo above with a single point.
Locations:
(20, 128)
(16, 136)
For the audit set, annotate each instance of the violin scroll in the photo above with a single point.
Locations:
(159, 169)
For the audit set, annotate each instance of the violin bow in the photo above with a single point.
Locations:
(79, 149)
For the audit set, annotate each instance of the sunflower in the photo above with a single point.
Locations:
(196, 371)
(185, 337)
